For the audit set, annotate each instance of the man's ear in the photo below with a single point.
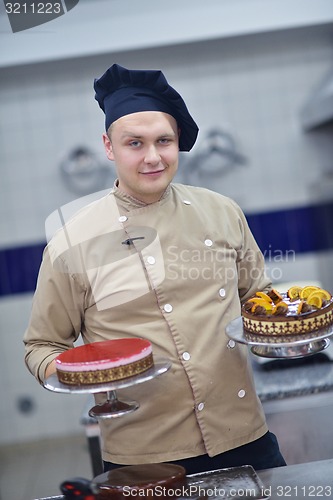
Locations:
(108, 147)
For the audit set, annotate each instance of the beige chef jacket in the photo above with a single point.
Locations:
(173, 272)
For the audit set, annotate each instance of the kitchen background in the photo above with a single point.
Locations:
(257, 77)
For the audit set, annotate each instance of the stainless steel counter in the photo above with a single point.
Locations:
(297, 397)
(309, 480)
(296, 377)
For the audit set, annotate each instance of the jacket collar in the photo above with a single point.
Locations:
(129, 202)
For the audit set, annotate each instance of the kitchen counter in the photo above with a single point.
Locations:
(297, 397)
(280, 379)
(314, 479)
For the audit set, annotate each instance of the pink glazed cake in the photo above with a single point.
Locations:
(106, 361)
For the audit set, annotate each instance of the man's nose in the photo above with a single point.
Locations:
(152, 155)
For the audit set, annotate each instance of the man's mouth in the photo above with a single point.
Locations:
(153, 172)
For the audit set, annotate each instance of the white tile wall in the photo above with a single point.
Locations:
(252, 87)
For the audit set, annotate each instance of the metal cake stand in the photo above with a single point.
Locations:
(112, 407)
(277, 346)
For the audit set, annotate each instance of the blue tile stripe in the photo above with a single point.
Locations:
(301, 230)
(19, 268)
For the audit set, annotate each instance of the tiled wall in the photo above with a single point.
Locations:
(250, 87)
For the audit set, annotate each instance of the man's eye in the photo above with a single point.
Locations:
(135, 144)
(164, 140)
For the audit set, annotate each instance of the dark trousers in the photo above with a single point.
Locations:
(263, 453)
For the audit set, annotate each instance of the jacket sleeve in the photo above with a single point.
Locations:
(252, 275)
(56, 316)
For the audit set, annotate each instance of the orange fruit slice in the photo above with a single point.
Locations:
(254, 300)
(294, 292)
(324, 294)
(300, 307)
(262, 302)
(279, 305)
(264, 296)
(315, 300)
(305, 292)
(255, 307)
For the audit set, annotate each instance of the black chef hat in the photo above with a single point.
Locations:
(122, 91)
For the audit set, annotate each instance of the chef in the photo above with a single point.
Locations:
(167, 262)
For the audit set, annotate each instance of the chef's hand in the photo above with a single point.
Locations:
(51, 369)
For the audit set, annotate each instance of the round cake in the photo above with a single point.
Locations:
(105, 361)
(141, 481)
(300, 310)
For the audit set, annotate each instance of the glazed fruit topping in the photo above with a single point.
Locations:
(275, 296)
(310, 297)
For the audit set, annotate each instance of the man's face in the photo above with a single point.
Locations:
(144, 147)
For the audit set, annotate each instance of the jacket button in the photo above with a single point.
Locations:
(241, 393)
(231, 344)
(186, 356)
(151, 260)
(186, 202)
(208, 243)
(122, 218)
(168, 308)
(222, 293)
(200, 406)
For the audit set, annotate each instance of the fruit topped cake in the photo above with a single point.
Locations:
(105, 361)
(299, 310)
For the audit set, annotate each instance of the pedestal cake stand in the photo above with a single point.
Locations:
(112, 407)
(277, 346)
